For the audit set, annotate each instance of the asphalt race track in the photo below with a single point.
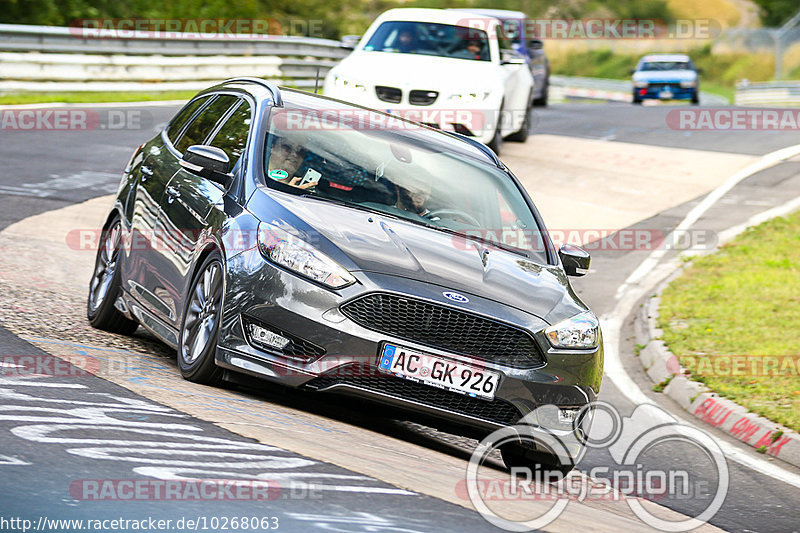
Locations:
(60, 433)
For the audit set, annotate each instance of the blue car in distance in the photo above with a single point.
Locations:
(666, 77)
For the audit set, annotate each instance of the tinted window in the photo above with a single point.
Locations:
(428, 38)
(232, 136)
(404, 172)
(199, 129)
(183, 115)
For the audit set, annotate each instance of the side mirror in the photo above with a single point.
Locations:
(632, 71)
(698, 70)
(513, 60)
(535, 44)
(575, 259)
(209, 162)
(349, 41)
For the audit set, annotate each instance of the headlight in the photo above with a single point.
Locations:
(641, 84)
(283, 248)
(688, 84)
(473, 96)
(343, 83)
(580, 331)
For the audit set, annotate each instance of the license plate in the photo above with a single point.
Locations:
(439, 372)
(665, 95)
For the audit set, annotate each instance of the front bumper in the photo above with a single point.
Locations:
(347, 362)
(665, 92)
(474, 119)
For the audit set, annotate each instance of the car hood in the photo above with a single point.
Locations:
(665, 75)
(390, 246)
(430, 72)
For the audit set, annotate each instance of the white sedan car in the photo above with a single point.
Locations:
(452, 70)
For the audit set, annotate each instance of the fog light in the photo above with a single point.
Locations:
(267, 338)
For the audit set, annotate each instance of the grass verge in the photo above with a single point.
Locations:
(743, 301)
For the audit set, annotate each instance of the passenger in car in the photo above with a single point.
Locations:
(285, 160)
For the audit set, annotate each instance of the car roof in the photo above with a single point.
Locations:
(496, 13)
(442, 16)
(665, 57)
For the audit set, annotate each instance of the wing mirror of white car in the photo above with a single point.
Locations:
(349, 41)
(513, 61)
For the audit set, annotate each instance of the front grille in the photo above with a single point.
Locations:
(422, 97)
(298, 348)
(497, 411)
(393, 95)
(445, 328)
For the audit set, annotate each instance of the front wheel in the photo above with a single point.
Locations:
(516, 456)
(104, 287)
(197, 341)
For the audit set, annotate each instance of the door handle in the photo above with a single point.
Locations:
(173, 193)
(146, 171)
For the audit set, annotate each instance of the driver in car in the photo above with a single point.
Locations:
(285, 160)
(412, 194)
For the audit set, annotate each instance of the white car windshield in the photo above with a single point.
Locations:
(665, 65)
(431, 39)
(363, 159)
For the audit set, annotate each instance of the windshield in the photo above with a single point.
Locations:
(421, 177)
(666, 65)
(431, 39)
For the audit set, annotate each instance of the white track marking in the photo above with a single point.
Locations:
(650, 273)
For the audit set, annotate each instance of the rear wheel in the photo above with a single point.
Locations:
(542, 100)
(197, 341)
(521, 135)
(104, 287)
(636, 99)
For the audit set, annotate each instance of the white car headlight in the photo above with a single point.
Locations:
(580, 331)
(286, 250)
(343, 83)
(472, 96)
(688, 84)
(641, 84)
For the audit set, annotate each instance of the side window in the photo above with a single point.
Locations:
(232, 136)
(199, 129)
(502, 42)
(175, 127)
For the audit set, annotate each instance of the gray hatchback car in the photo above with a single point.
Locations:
(324, 246)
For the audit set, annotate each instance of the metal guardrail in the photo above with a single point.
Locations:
(48, 58)
(778, 93)
(37, 56)
(614, 90)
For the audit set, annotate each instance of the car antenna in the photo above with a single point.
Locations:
(316, 81)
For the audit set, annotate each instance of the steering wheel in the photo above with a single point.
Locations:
(455, 214)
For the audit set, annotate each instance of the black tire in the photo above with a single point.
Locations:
(542, 100)
(515, 455)
(695, 98)
(636, 99)
(497, 140)
(202, 314)
(104, 287)
(521, 135)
